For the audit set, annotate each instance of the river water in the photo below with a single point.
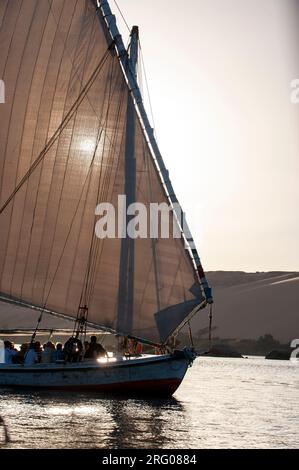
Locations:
(222, 403)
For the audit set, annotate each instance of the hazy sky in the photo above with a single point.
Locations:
(219, 73)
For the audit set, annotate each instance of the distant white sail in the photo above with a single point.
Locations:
(49, 255)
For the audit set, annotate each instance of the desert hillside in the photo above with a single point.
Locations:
(249, 305)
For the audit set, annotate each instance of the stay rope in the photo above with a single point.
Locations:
(210, 322)
(41, 157)
(58, 131)
(104, 182)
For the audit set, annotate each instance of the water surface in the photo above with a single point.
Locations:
(222, 403)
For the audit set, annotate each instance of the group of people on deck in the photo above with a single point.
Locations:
(34, 352)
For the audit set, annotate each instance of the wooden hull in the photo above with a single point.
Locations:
(154, 375)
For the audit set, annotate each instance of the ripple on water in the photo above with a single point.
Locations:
(222, 403)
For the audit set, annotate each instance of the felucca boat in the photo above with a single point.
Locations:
(75, 135)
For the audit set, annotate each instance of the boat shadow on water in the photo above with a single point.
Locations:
(93, 420)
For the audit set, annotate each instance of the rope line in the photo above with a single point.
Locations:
(84, 297)
(210, 322)
(122, 15)
(103, 196)
(147, 86)
(57, 133)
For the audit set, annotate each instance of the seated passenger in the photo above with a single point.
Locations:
(9, 352)
(58, 353)
(95, 349)
(31, 356)
(38, 350)
(86, 346)
(73, 350)
(46, 356)
(20, 356)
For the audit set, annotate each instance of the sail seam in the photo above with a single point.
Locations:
(4, 72)
(9, 126)
(35, 136)
(66, 165)
(39, 114)
(21, 144)
(55, 135)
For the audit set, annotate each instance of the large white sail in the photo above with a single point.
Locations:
(63, 81)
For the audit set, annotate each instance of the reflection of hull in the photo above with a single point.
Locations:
(160, 375)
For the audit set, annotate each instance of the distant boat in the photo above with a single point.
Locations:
(220, 350)
(279, 354)
(75, 134)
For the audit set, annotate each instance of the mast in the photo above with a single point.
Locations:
(130, 75)
(125, 308)
(134, 50)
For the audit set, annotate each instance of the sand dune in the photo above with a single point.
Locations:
(248, 305)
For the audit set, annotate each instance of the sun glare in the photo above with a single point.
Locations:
(87, 145)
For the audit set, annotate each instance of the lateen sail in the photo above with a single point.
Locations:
(50, 51)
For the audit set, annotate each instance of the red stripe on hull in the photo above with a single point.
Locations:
(162, 387)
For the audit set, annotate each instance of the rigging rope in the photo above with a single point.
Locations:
(40, 158)
(63, 250)
(91, 259)
(190, 335)
(80, 198)
(104, 182)
(122, 15)
(58, 131)
(210, 322)
(147, 86)
(142, 64)
(111, 153)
